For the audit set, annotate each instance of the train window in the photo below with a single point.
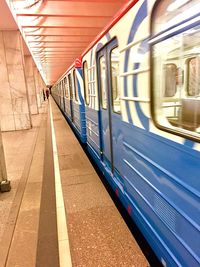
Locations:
(61, 88)
(86, 87)
(193, 85)
(63, 85)
(70, 86)
(75, 85)
(176, 68)
(170, 80)
(114, 58)
(103, 82)
(66, 89)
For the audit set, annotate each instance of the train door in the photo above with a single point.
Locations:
(108, 117)
(71, 97)
(63, 94)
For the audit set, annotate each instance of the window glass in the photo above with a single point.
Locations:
(59, 86)
(172, 12)
(70, 86)
(103, 82)
(66, 89)
(63, 86)
(114, 58)
(194, 76)
(75, 85)
(86, 88)
(176, 73)
(170, 80)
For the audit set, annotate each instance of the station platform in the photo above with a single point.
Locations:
(58, 212)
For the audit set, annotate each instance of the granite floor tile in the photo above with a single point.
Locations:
(28, 221)
(77, 172)
(25, 242)
(74, 161)
(93, 240)
(31, 199)
(75, 178)
(77, 198)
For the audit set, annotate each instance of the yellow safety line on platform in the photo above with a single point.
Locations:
(63, 240)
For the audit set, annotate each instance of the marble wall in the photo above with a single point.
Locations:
(42, 87)
(14, 108)
(29, 73)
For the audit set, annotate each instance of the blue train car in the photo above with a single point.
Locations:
(142, 115)
(68, 94)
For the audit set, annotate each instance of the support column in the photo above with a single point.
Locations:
(14, 109)
(4, 183)
(31, 84)
(37, 85)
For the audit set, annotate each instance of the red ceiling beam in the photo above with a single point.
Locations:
(62, 16)
(43, 47)
(52, 42)
(58, 35)
(60, 27)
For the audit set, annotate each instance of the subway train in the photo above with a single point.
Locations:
(133, 97)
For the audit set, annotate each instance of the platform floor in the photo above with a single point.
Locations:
(58, 212)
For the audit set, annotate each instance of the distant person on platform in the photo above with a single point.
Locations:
(44, 97)
(47, 93)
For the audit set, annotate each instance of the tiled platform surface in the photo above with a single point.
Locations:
(24, 152)
(97, 233)
(17, 146)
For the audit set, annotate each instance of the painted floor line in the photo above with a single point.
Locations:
(63, 240)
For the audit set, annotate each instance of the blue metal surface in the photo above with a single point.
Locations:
(159, 181)
(156, 194)
(71, 109)
(67, 107)
(82, 119)
(92, 128)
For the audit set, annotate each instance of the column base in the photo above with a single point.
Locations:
(5, 186)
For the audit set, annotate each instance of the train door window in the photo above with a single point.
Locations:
(114, 62)
(59, 86)
(103, 82)
(63, 86)
(66, 89)
(194, 76)
(70, 86)
(86, 87)
(175, 50)
(59, 89)
(170, 80)
(75, 85)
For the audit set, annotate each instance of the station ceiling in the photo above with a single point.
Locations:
(58, 31)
